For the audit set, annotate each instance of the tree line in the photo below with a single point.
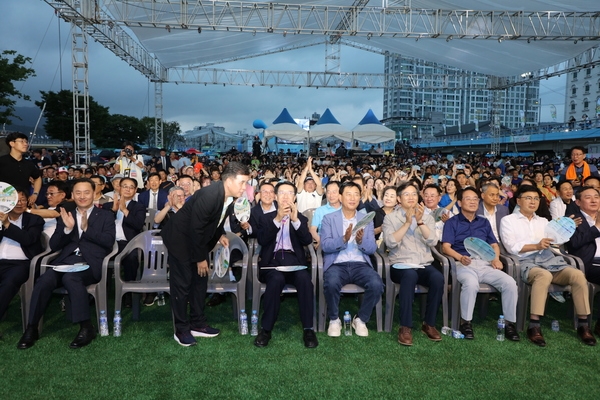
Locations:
(106, 130)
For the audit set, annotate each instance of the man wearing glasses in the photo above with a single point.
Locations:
(523, 234)
(56, 195)
(282, 235)
(129, 221)
(17, 170)
(471, 272)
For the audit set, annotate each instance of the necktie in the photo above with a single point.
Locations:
(153, 205)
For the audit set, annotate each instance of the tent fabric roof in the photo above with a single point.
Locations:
(182, 48)
(328, 126)
(370, 130)
(286, 128)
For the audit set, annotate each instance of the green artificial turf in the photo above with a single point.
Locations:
(146, 363)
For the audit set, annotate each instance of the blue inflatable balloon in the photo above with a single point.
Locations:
(259, 124)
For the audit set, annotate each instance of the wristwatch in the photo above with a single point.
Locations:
(36, 193)
(420, 223)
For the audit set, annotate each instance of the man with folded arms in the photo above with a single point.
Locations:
(523, 234)
(471, 272)
(282, 235)
(346, 260)
(20, 234)
(85, 236)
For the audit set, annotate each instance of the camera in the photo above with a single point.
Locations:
(128, 152)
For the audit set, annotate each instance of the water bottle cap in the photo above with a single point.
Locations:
(117, 312)
(253, 311)
(347, 312)
(243, 311)
(502, 316)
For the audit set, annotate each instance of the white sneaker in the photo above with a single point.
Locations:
(360, 328)
(335, 328)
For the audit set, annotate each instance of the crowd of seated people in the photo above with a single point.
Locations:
(421, 202)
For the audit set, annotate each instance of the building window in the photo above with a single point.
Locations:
(573, 91)
(574, 75)
(587, 88)
(573, 106)
(586, 104)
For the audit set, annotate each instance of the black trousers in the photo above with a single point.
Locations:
(76, 284)
(187, 286)
(276, 280)
(13, 274)
(129, 263)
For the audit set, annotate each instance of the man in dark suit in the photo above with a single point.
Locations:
(584, 242)
(164, 161)
(190, 235)
(282, 235)
(266, 204)
(490, 208)
(154, 198)
(84, 236)
(130, 217)
(19, 242)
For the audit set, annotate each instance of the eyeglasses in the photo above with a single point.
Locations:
(267, 191)
(128, 187)
(285, 192)
(21, 141)
(471, 199)
(50, 194)
(530, 198)
(409, 194)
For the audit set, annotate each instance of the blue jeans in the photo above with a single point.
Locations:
(358, 273)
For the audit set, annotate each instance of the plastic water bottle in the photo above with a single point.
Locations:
(161, 299)
(555, 326)
(500, 329)
(457, 335)
(347, 324)
(243, 322)
(103, 324)
(446, 331)
(254, 321)
(117, 324)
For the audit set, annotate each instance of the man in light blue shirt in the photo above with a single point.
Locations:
(332, 192)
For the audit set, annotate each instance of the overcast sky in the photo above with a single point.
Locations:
(31, 28)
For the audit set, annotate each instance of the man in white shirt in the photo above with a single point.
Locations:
(523, 234)
(490, 209)
(310, 188)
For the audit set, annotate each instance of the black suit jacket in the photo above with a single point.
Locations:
(192, 232)
(256, 214)
(133, 223)
(159, 164)
(583, 242)
(267, 236)
(95, 243)
(161, 199)
(28, 236)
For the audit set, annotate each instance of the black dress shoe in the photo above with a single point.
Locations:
(262, 340)
(29, 337)
(467, 329)
(83, 338)
(310, 339)
(586, 335)
(535, 335)
(511, 333)
(216, 299)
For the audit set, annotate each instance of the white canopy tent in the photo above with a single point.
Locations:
(328, 126)
(284, 127)
(370, 130)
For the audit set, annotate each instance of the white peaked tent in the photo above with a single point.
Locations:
(370, 130)
(328, 126)
(284, 127)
